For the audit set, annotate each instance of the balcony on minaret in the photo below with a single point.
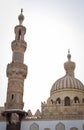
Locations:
(20, 31)
(19, 45)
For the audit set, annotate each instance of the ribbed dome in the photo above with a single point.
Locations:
(68, 81)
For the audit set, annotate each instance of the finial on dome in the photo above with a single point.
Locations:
(69, 65)
(21, 17)
(69, 55)
(21, 11)
(68, 51)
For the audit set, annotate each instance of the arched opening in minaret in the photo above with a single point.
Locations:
(12, 96)
(67, 101)
(19, 35)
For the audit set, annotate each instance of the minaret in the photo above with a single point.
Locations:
(17, 70)
(16, 73)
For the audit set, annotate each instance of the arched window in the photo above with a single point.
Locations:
(74, 128)
(34, 126)
(12, 97)
(52, 101)
(60, 126)
(83, 100)
(76, 100)
(67, 101)
(47, 129)
(58, 101)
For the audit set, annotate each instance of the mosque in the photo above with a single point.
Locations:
(64, 108)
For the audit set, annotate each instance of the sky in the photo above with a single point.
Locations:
(53, 27)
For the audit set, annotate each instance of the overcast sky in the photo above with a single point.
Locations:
(53, 27)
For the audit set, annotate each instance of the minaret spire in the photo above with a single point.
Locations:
(21, 17)
(68, 51)
(21, 10)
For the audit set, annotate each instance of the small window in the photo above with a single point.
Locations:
(52, 101)
(83, 100)
(12, 96)
(76, 100)
(58, 101)
(67, 101)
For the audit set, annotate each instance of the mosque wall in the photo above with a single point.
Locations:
(52, 125)
(49, 125)
(2, 125)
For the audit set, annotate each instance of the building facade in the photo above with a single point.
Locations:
(63, 110)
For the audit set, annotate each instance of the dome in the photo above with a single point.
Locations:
(68, 81)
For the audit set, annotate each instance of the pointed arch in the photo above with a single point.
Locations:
(34, 126)
(73, 128)
(60, 126)
(47, 129)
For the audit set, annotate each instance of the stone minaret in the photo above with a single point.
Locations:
(17, 70)
(16, 73)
